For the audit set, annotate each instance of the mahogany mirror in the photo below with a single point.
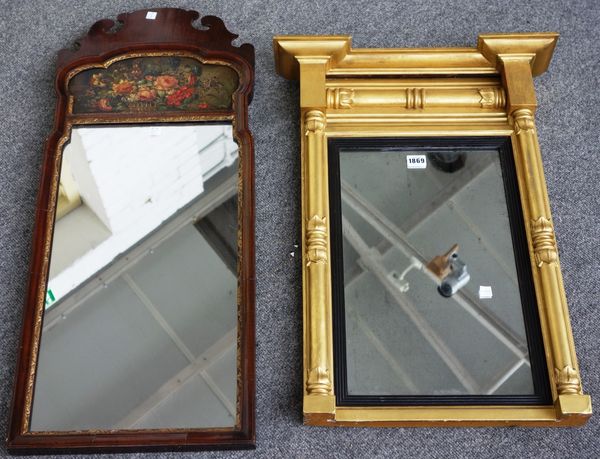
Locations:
(139, 321)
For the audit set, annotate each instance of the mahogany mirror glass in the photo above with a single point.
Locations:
(139, 328)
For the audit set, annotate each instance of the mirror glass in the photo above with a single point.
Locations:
(140, 322)
(432, 298)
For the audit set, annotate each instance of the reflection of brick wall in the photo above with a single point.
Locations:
(150, 168)
(134, 178)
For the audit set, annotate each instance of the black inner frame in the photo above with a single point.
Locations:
(542, 394)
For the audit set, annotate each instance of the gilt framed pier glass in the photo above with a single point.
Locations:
(139, 319)
(432, 291)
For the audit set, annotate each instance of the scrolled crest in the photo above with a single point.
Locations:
(170, 26)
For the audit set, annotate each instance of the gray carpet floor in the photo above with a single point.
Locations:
(32, 31)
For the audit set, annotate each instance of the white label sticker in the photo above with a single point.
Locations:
(151, 15)
(416, 161)
(485, 292)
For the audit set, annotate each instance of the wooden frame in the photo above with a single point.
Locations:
(486, 91)
(167, 32)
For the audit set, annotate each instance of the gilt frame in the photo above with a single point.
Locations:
(162, 32)
(378, 93)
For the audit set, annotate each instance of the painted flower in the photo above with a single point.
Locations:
(96, 80)
(123, 87)
(104, 105)
(147, 95)
(136, 71)
(165, 82)
(154, 84)
(177, 98)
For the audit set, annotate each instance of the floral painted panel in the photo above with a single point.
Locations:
(154, 84)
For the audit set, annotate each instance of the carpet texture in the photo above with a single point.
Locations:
(32, 31)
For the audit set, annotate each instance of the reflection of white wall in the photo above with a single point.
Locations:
(82, 173)
(134, 178)
(78, 232)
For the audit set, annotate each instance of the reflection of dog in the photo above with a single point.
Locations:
(451, 270)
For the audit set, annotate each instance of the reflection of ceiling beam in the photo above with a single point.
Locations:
(506, 335)
(219, 230)
(501, 379)
(457, 209)
(462, 178)
(198, 365)
(119, 269)
(374, 263)
(158, 317)
(229, 404)
(494, 324)
(383, 350)
(202, 207)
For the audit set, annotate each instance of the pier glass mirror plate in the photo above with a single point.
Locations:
(432, 291)
(139, 320)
